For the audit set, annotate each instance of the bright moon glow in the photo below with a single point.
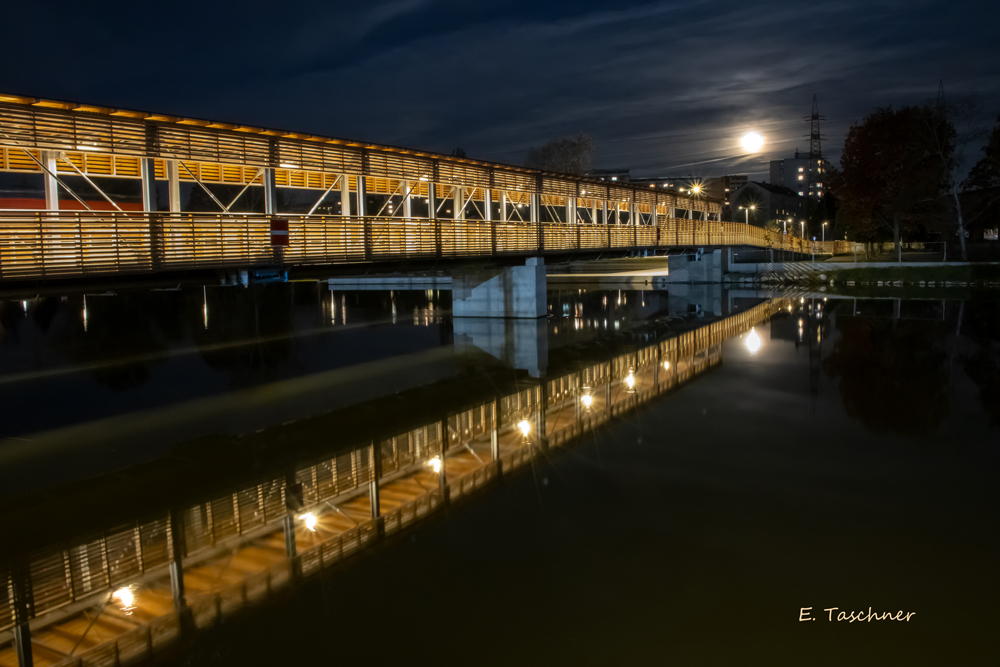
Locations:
(753, 341)
(525, 427)
(752, 142)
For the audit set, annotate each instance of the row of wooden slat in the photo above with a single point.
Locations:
(62, 244)
(107, 145)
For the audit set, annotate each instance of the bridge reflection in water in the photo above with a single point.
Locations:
(139, 588)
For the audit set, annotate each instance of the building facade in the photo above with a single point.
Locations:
(771, 202)
(803, 175)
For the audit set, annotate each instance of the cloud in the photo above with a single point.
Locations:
(660, 86)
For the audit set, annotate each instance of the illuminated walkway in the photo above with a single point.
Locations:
(369, 203)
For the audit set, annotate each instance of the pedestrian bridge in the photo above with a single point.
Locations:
(201, 195)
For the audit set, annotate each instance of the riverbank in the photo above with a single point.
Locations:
(952, 274)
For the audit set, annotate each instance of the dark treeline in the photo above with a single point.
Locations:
(905, 173)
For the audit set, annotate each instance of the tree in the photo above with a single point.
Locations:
(569, 156)
(947, 130)
(981, 190)
(886, 178)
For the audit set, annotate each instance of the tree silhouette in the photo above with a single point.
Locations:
(574, 155)
(887, 178)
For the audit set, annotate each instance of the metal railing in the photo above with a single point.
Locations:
(60, 244)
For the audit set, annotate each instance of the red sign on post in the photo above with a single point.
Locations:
(279, 232)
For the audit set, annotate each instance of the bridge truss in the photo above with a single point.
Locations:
(373, 202)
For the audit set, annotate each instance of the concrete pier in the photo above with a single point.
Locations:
(700, 267)
(516, 291)
(522, 343)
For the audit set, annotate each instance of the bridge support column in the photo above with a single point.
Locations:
(432, 214)
(375, 466)
(495, 437)
(150, 204)
(147, 172)
(178, 549)
(534, 208)
(701, 267)
(459, 203)
(362, 204)
(488, 213)
(173, 185)
(443, 474)
(607, 391)
(407, 205)
(522, 343)
(51, 184)
(293, 505)
(345, 195)
(271, 208)
(20, 581)
(503, 206)
(543, 441)
(517, 291)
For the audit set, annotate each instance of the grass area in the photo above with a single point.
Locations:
(915, 274)
(910, 291)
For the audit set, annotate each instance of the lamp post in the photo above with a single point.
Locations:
(824, 232)
(803, 234)
(746, 210)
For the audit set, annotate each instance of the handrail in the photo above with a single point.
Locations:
(43, 244)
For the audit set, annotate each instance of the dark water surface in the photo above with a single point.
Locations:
(851, 462)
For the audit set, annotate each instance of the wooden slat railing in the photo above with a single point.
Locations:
(64, 244)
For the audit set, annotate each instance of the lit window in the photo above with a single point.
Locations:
(800, 194)
(819, 185)
(800, 177)
(614, 178)
(801, 169)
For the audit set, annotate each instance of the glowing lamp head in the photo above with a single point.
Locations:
(525, 427)
(753, 341)
(125, 596)
(752, 142)
(696, 189)
(630, 380)
(666, 365)
(435, 464)
(587, 400)
(310, 521)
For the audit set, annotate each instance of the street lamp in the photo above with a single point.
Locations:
(803, 235)
(824, 232)
(747, 209)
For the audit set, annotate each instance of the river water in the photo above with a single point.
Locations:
(842, 454)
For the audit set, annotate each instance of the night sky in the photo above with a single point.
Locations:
(662, 87)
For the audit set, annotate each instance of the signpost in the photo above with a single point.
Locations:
(279, 232)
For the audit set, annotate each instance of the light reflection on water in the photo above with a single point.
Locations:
(826, 376)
